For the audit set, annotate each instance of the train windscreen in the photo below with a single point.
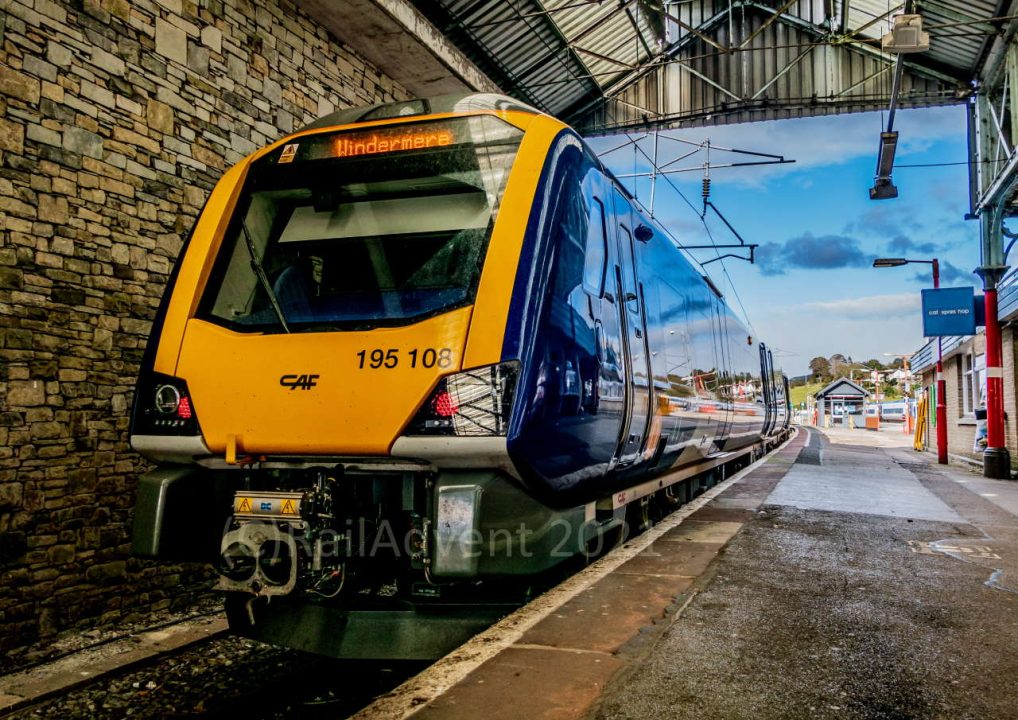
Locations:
(357, 229)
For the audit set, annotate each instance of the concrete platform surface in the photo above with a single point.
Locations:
(844, 577)
(872, 585)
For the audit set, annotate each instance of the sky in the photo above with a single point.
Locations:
(813, 290)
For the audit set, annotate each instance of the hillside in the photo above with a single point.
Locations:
(799, 393)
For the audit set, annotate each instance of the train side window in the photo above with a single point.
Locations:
(596, 252)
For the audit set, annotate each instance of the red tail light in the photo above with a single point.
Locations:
(470, 402)
(184, 409)
(444, 405)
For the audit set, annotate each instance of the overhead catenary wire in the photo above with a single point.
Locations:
(710, 235)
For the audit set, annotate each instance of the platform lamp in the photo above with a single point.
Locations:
(941, 385)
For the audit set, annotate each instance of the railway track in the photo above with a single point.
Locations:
(220, 677)
(224, 676)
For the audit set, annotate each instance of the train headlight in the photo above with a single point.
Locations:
(470, 403)
(163, 407)
(167, 400)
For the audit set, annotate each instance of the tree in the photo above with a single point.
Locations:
(821, 368)
(874, 364)
(838, 365)
(889, 390)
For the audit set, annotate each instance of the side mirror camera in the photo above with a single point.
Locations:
(643, 233)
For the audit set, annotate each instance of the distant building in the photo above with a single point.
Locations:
(842, 397)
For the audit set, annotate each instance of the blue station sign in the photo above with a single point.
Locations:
(949, 311)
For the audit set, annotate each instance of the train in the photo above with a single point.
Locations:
(415, 356)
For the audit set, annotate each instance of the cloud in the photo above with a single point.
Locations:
(870, 307)
(904, 245)
(883, 221)
(827, 252)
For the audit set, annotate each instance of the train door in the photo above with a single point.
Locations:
(600, 284)
(767, 380)
(780, 397)
(634, 333)
(772, 399)
(723, 387)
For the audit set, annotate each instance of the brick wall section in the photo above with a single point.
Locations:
(116, 118)
(961, 431)
(1007, 337)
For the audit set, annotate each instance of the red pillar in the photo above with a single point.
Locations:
(941, 408)
(941, 385)
(996, 459)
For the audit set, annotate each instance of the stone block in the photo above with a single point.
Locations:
(41, 134)
(11, 279)
(52, 91)
(119, 8)
(25, 394)
(51, 10)
(46, 430)
(108, 61)
(83, 142)
(19, 85)
(61, 554)
(54, 209)
(12, 136)
(198, 59)
(116, 186)
(272, 92)
(36, 66)
(106, 572)
(132, 138)
(207, 156)
(188, 27)
(58, 54)
(173, 6)
(212, 38)
(10, 495)
(171, 41)
(259, 64)
(98, 94)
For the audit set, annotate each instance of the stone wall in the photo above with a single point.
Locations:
(116, 118)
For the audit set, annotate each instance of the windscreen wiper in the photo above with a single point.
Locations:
(259, 272)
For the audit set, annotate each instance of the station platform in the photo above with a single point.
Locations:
(843, 576)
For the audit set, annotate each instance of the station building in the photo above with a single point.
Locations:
(965, 381)
(840, 399)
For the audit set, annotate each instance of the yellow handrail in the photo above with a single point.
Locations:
(919, 443)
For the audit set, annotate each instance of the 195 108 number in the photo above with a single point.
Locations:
(391, 358)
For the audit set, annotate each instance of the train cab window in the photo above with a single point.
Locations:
(596, 252)
(356, 229)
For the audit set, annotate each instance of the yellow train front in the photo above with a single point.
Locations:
(416, 352)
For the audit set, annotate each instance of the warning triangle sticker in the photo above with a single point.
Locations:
(244, 505)
(288, 508)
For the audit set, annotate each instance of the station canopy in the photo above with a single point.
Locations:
(608, 66)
